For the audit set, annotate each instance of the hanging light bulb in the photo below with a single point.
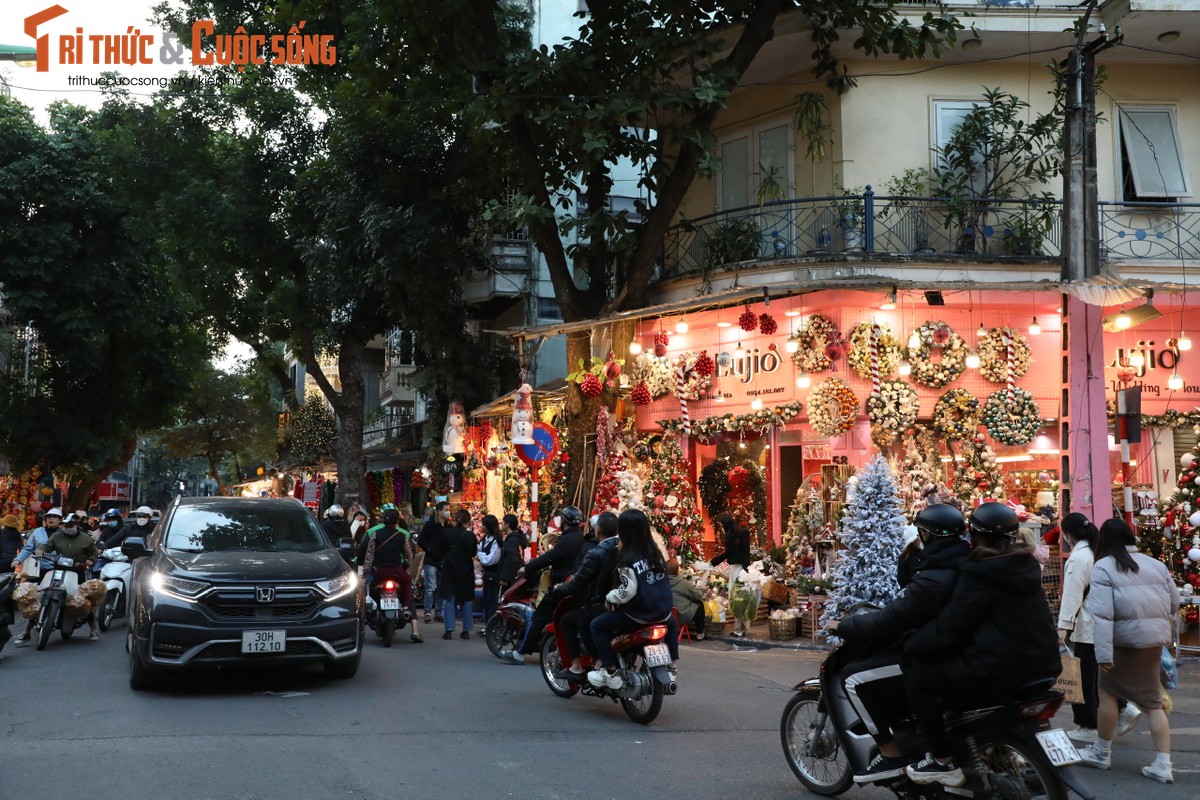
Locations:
(792, 346)
(1034, 328)
(738, 352)
(756, 404)
(1137, 360)
(681, 326)
(982, 332)
(914, 341)
(1175, 383)
(905, 369)
(635, 347)
(720, 398)
(1122, 321)
(803, 382)
(972, 360)
(724, 323)
(889, 302)
(1183, 342)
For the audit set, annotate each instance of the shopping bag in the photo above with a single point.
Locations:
(1169, 673)
(1069, 680)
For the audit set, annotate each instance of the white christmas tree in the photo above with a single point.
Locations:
(872, 536)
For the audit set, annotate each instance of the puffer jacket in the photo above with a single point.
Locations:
(596, 565)
(1074, 614)
(934, 575)
(996, 627)
(1132, 609)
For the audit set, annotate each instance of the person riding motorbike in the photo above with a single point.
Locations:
(875, 683)
(335, 525)
(34, 546)
(590, 583)
(559, 559)
(70, 541)
(387, 554)
(996, 625)
(138, 526)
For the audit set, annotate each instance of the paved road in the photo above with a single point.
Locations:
(440, 720)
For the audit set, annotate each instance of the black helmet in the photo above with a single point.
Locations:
(390, 517)
(994, 521)
(940, 520)
(112, 513)
(571, 516)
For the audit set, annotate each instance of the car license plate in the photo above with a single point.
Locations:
(389, 603)
(264, 641)
(657, 655)
(1058, 748)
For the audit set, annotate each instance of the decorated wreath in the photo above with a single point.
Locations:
(936, 374)
(832, 407)
(891, 411)
(957, 415)
(993, 355)
(1012, 420)
(814, 337)
(657, 373)
(697, 381)
(860, 350)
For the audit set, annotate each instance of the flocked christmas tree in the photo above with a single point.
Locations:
(313, 428)
(671, 502)
(872, 536)
(804, 526)
(978, 477)
(1177, 536)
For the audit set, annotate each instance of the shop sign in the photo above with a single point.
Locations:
(1147, 357)
(113, 490)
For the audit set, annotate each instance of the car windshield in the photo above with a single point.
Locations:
(218, 529)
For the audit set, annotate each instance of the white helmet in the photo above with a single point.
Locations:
(143, 510)
(54, 512)
(334, 512)
(141, 516)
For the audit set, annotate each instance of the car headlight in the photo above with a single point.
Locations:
(340, 586)
(182, 588)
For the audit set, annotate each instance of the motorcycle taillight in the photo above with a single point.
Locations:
(656, 633)
(1042, 709)
(390, 585)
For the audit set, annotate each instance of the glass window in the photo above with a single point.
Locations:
(772, 166)
(547, 308)
(947, 116)
(1151, 157)
(735, 174)
(244, 526)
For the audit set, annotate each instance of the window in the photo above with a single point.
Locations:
(1152, 165)
(401, 348)
(547, 308)
(947, 116)
(756, 167)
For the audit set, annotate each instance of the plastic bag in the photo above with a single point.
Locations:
(1169, 673)
(743, 601)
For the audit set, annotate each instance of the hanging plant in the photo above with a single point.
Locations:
(993, 355)
(936, 374)
(892, 411)
(1012, 419)
(860, 350)
(832, 408)
(957, 415)
(814, 337)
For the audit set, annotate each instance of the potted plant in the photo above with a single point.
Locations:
(849, 208)
(731, 241)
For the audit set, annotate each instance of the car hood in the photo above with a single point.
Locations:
(243, 565)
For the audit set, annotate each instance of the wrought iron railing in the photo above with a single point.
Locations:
(922, 226)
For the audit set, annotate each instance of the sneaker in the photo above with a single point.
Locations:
(1128, 719)
(416, 639)
(95, 637)
(738, 634)
(881, 768)
(1159, 772)
(428, 619)
(928, 770)
(1091, 756)
(448, 635)
(603, 679)
(699, 637)
(1082, 734)
(515, 658)
(21, 640)
(565, 674)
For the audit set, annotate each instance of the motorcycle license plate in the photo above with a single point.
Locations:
(389, 603)
(657, 655)
(264, 641)
(1058, 748)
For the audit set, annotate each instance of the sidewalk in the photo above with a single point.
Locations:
(760, 637)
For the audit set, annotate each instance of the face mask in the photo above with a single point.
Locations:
(354, 526)
(142, 521)
(445, 515)
(72, 531)
(114, 524)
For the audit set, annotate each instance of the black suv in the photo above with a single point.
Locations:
(228, 581)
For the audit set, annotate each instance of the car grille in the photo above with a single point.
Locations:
(241, 603)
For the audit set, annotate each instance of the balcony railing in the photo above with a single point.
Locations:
(870, 224)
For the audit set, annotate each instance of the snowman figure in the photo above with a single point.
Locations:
(454, 435)
(522, 419)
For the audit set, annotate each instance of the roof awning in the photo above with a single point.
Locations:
(502, 406)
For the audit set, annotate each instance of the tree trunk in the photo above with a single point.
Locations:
(81, 492)
(216, 475)
(348, 405)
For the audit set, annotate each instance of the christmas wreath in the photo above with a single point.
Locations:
(891, 411)
(832, 407)
(957, 415)
(993, 355)
(658, 374)
(1012, 420)
(814, 337)
(697, 380)
(937, 336)
(860, 350)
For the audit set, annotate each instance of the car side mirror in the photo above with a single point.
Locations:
(135, 547)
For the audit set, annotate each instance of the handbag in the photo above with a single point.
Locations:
(1069, 681)
(1168, 672)
(32, 567)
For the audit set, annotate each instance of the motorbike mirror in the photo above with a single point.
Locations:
(135, 547)
(345, 543)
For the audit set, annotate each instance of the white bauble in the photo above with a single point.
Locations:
(1186, 460)
(1194, 554)
(1194, 519)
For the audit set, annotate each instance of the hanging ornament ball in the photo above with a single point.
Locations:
(1194, 519)
(1197, 480)
(941, 335)
(491, 462)
(704, 365)
(640, 394)
(47, 505)
(1043, 476)
(767, 324)
(834, 351)
(614, 502)
(1186, 460)
(591, 386)
(660, 350)
(1194, 554)
(723, 359)
(772, 347)
(1125, 375)
(748, 321)
(661, 338)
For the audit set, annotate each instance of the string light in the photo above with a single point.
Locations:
(1137, 360)
(635, 348)
(1183, 342)
(792, 346)
(982, 332)
(1122, 321)
(681, 326)
(738, 352)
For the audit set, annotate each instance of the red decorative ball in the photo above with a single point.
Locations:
(748, 320)
(767, 324)
(564, 457)
(591, 386)
(1125, 375)
(661, 338)
(941, 335)
(614, 502)
(660, 350)
(834, 351)
(47, 505)
(705, 366)
(640, 394)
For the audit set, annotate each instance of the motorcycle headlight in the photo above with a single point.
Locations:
(181, 588)
(340, 586)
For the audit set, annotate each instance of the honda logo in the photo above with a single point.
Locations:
(264, 594)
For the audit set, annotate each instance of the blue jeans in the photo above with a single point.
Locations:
(431, 575)
(468, 617)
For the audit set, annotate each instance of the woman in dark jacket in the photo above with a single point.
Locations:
(388, 554)
(11, 540)
(737, 553)
(512, 552)
(456, 582)
(993, 637)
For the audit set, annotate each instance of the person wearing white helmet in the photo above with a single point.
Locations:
(139, 524)
(34, 546)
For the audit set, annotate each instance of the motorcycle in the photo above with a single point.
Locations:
(387, 613)
(57, 585)
(8, 610)
(642, 659)
(1005, 751)
(506, 628)
(115, 573)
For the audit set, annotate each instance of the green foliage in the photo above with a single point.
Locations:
(813, 125)
(729, 242)
(313, 429)
(849, 205)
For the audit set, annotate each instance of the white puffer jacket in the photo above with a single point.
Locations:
(1073, 613)
(1132, 609)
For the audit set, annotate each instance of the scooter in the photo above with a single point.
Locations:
(642, 659)
(57, 585)
(115, 574)
(387, 613)
(1005, 751)
(8, 610)
(505, 630)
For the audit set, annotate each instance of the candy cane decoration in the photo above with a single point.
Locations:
(681, 376)
(1009, 348)
(875, 332)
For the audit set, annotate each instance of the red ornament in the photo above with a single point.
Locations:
(748, 321)
(614, 502)
(640, 394)
(591, 386)
(941, 335)
(767, 324)
(660, 350)
(564, 457)
(705, 365)
(661, 338)
(1125, 375)
(47, 505)
(834, 351)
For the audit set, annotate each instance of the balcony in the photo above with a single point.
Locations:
(871, 226)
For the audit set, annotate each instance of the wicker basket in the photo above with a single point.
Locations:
(783, 629)
(775, 592)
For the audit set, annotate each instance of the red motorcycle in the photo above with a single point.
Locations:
(642, 659)
(505, 630)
